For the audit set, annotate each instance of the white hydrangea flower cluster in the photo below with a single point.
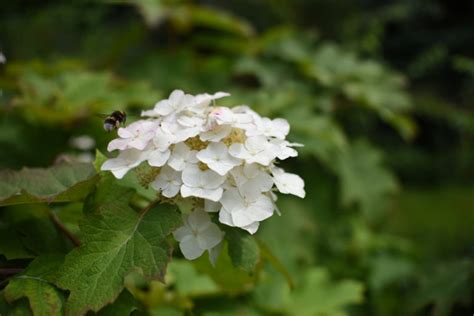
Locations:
(223, 157)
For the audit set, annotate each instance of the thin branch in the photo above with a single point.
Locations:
(63, 228)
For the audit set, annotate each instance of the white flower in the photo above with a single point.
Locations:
(126, 160)
(197, 235)
(288, 183)
(244, 212)
(163, 139)
(278, 128)
(248, 119)
(181, 156)
(283, 149)
(203, 184)
(137, 135)
(179, 132)
(216, 133)
(176, 102)
(217, 158)
(226, 116)
(222, 115)
(168, 182)
(223, 158)
(202, 101)
(226, 218)
(255, 149)
(157, 157)
(189, 119)
(251, 180)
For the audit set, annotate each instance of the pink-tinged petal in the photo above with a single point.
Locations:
(125, 132)
(118, 143)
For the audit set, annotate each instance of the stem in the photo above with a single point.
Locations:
(149, 207)
(63, 229)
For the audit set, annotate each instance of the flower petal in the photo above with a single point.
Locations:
(190, 248)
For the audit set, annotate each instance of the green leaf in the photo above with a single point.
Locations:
(116, 241)
(58, 94)
(230, 279)
(100, 158)
(271, 291)
(243, 249)
(363, 179)
(36, 229)
(35, 284)
(219, 20)
(124, 305)
(389, 269)
(188, 281)
(319, 296)
(17, 308)
(291, 235)
(61, 183)
(444, 285)
(268, 255)
(11, 246)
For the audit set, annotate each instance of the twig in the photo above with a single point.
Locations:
(63, 228)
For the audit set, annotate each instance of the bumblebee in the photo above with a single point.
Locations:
(114, 120)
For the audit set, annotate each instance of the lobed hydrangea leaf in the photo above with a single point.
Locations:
(363, 178)
(17, 308)
(117, 241)
(61, 183)
(27, 222)
(11, 246)
(319, 295)
(35, 284)
(190, 282)
(62, 93)
(243, 249)
(124, 305)
(229, 279)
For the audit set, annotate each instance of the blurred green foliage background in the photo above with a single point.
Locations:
(380, 93)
